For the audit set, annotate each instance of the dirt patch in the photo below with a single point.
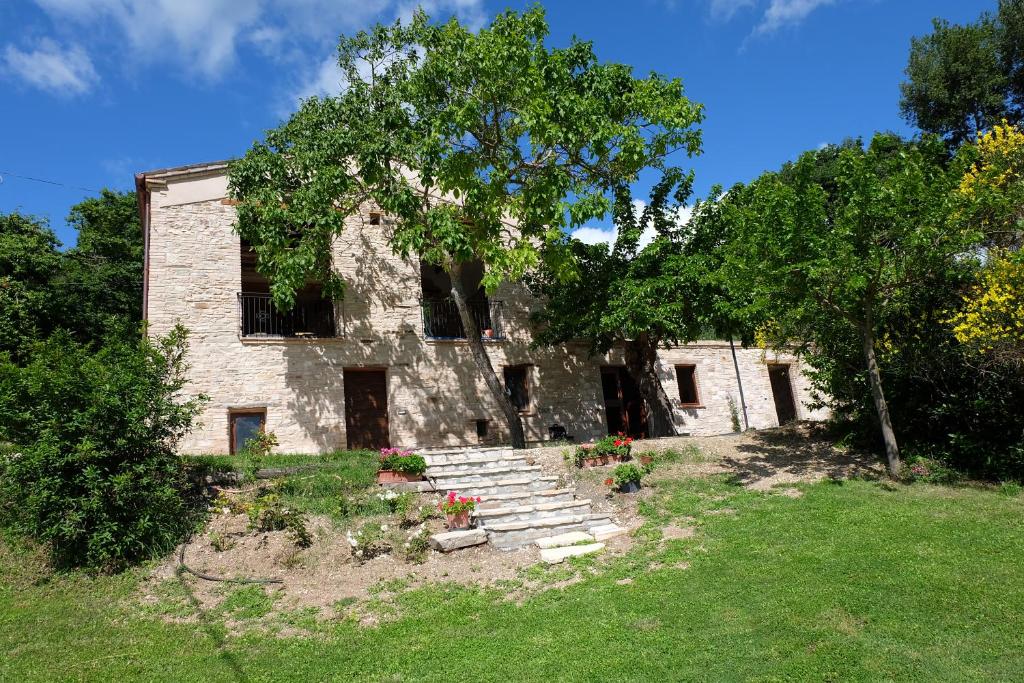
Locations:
(672, 532)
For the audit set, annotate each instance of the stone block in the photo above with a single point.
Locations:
(453, 540)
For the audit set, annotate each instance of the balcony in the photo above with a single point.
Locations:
(308, 319)
(441, 319)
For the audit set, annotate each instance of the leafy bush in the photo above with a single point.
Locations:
(397, 460)
(416, 548)
(269, 514)
(919, 468)
(92, 472)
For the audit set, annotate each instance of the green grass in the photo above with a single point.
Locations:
(851, 581)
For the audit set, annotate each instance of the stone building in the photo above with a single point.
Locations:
(387, 365)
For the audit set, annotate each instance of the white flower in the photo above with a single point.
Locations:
(383, 527)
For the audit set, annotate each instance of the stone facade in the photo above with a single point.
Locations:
(435, 395)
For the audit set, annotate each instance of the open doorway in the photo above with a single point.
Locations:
(782, 392)
(624, 407)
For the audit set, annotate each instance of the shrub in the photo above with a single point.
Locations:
(92, 472)
(269, 514)
(397, 460)
(929, 470)
(416, 548)
(369, 541)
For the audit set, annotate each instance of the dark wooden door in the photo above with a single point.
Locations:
(624, 408)
(782, 392)
(366, 409)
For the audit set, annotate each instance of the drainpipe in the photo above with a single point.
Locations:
(739, 383)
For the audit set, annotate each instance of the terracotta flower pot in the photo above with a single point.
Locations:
(646, 459)
(459, 520)
(393, 477)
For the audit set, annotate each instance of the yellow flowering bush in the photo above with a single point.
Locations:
(992, 318)
(1000, 159)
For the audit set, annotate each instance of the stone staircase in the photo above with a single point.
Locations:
(520, 505)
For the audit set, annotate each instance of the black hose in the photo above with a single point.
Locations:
(209, 577)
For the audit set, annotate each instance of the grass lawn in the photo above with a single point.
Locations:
(851, 581)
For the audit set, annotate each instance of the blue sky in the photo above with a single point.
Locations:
(95, 90)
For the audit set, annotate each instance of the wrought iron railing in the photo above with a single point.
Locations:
(258, 316)
(441, 319)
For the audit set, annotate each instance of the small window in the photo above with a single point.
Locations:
(246, 425)
(516, 386)
(481, 429)
(374, 218)
(686, 376)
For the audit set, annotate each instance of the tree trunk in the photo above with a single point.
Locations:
(892, 451)
(483, 361)
(642, 363)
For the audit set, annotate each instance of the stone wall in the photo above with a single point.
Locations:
(435, 395)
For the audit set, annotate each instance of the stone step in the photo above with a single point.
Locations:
(520, 513)
(558, 555)
(561, 540)
(527, 498)
(490, 487)
(476, 462)
(451, 456)
(516, 534)
(442, 475)
(606, 531)
(453, 540)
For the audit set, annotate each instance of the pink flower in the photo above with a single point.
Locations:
(479, 499)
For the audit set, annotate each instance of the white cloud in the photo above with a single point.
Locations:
(783, 12)
(589, 235)
(725, 9)
(204, 37)
(47, 66)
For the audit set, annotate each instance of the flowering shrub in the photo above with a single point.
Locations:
(930, 471)
(454, 504)
(398, 460)
(369, 541)
(617, 445)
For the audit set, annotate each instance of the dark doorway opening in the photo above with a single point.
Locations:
(782, 392)
(624, 408)
(366, 409)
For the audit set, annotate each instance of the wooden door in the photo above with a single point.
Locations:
(624, 408)
(782, 392)
(366, 409)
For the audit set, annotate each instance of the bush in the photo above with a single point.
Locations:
(92, 471)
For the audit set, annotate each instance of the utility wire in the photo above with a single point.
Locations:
(43, 180)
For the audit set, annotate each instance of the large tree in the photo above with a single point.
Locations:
(963, 79)
(823, 262)
(639, 298)
(30, 262)
(100, 286)
(481, 146)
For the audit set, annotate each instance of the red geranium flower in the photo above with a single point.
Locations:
(618, 442)
(609, 481)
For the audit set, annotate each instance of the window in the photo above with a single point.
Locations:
(245, 425)
(481, 429)
(686, 376)
(374, 218)
(516, 386)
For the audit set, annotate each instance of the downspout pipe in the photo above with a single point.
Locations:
(739, 383)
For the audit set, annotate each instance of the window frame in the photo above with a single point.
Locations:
(527, 389)
(234, 413)
(697, 402)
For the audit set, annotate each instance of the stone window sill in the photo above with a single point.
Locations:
(256, 341)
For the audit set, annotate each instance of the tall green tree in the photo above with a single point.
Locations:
(964, 79)
(30, 263)
(822, 263)
(481, 146)
(100, 285)
(638, 298)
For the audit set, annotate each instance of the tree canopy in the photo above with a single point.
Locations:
(481, 146)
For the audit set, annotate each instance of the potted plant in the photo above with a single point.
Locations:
(457, 508)
(645, 458)
(398, 466)
(610, 449)
(627, 478)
